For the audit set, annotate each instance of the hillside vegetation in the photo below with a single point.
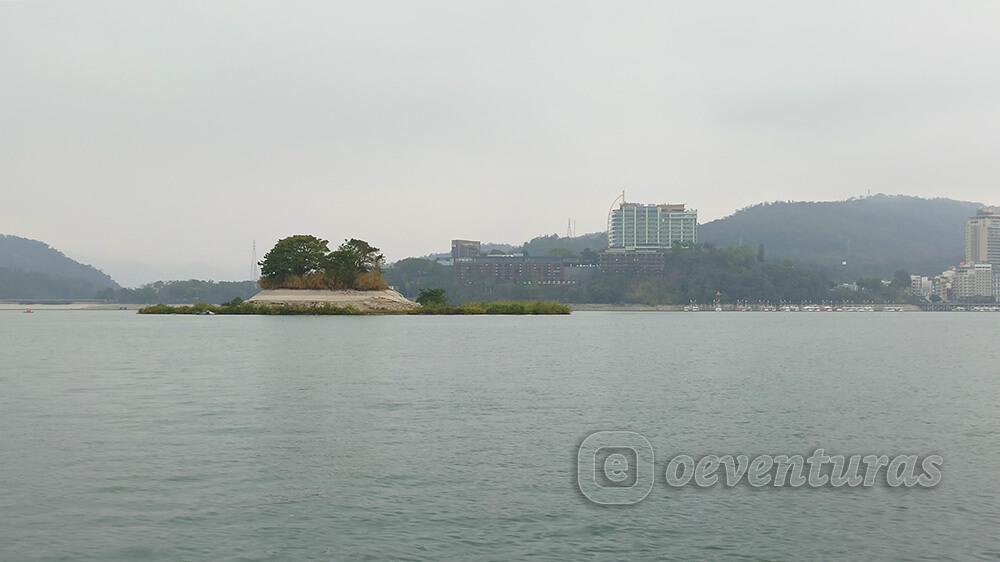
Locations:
(30, 269)
(554, 245)
(875, 235)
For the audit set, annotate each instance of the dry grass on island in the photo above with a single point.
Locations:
(301, 276)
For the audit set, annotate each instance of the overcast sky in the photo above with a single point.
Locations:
(159, 139)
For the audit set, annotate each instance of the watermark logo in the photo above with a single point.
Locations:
(617, 468)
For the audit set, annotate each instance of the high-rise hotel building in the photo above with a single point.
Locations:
(634, 226)
(982, 238)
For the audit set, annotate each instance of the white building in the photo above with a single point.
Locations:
(633, 226)
(973, 282)
(921, 286)
(982, 237)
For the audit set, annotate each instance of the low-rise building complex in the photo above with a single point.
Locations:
(973, 283)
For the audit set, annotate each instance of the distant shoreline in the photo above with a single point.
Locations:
(13, 306)
(594, 307)
(328, 309)
(83, 305)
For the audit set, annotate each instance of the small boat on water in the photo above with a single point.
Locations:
(28, 311)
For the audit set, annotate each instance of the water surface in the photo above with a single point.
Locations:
(127, 437)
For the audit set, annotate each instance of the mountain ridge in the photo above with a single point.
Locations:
(875, 235)
(33, 269)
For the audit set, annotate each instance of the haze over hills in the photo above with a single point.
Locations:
(876, 235)
(32, 269)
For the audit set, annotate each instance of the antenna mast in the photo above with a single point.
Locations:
(253, 262)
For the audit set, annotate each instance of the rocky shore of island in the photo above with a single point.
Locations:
(385, 300)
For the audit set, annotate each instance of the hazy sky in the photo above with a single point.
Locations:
(157, 140)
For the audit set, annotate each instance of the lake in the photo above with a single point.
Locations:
(127, 437)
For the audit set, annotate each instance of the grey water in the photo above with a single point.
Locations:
(128, 437)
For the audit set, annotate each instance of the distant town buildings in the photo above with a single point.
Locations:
(514, 268)
(464, 250)
(941, 286)
(634, 226)
(632, 261)
(972, 283)
(470, 265)
(922, 286)
(639, 235)
(967, 283)
(982, 237)
(977, 279)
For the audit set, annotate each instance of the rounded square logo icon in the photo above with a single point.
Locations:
(615, 467)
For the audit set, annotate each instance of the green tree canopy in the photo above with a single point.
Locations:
(351, 259)
(296, 255)
(361, 255)
(306, 262)
(432, 297)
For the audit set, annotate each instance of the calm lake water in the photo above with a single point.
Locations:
(126, 437)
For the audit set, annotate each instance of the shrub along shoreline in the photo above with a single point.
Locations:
(244, 308)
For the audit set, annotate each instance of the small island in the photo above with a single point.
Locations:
(302, 276)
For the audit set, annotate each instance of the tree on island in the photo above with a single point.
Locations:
(295, 256)
(306, 262)
(354, 263)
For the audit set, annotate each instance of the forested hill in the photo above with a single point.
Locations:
(32, 269)
(876, 235)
